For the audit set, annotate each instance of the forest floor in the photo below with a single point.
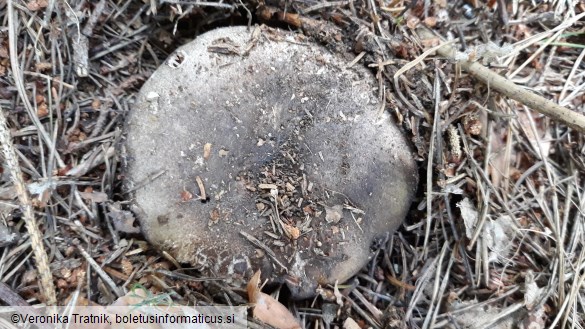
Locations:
(495, 238)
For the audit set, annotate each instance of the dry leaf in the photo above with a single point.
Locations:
(350, 324)
(469, 215)
(268, 309)
(498, 163)
(214, 215)
(37, 5)
(499, 235)
(292, 232)
(333, 214)
(533, 293)
(431, 21)
(123, 220)
(186, 195)
(127, 267)
(7, 236)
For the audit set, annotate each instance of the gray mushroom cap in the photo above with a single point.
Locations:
(298, 167)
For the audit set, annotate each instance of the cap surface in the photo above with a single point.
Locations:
(297, 168)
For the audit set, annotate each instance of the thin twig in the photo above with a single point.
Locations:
(264, 247)
(96, 267)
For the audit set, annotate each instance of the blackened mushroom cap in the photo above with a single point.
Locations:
(275, 156)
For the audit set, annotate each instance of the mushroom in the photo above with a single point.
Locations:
(259, 149)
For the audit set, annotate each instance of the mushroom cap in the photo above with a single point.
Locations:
(298, 167)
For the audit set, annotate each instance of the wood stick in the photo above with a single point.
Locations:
(508, 88)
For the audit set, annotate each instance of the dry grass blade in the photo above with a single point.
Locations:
(40, 255)
(562, 98)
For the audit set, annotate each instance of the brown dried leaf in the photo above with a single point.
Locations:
(253, 287)
(268, 309)
(37, 5)
(291, 231)
(498, 163)
(333, 214)
(431, 21)
(214, 215)
(127, 266)
(42, 110)
(186, 195)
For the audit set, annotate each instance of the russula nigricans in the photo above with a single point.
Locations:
(273, 154)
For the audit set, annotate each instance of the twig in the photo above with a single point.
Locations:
(202, 194)
(264, 247)
(96, 267)
(363, 314)
(52, 79)
(434, 138)
(200, 3)
(510, 89)
(40, 255)
(93, 18)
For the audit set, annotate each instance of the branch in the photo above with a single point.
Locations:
(506, 87)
